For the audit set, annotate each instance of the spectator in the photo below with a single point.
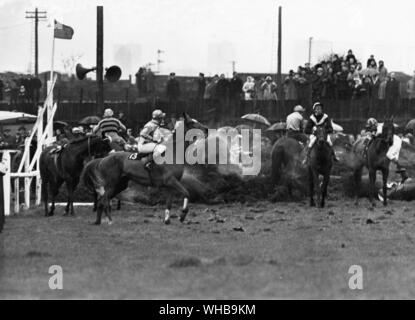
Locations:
(357, 89)
(383, 72)
(371, 62)
(9, 140)
(303, 88)
(201, 86)
(222, 88)
(329, 83)
(269, 89)
(318, 85)
(235, 87)
(122, 118)
(210, 91)
(235, 92)
(139, 80)
(21, 136)
(410, 88)
(173, 93)
(382, 88)
(290, 88)
(342, 84)
(249, 88)
(336, 64)
(392, 93)
(350, 56)
(373, 85)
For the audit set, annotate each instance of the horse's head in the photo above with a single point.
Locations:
(388, 131)
(320, 134)
(97, 146)
(190, 123)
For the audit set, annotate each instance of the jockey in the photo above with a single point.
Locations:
(110, 127)
(319, 119)
(146, 143)
(373, 129)
(295, 125)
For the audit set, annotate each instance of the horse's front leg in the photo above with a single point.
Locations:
(385, 175)
(173, 183)
(317, 187)
(372, 186)
(45, 194)
(311, 186)
(168, 208)
(357, 177)
(71, 185)
(324, 190)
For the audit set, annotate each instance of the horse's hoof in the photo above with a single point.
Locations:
(110, 222)
(96, 223)
(167, 222)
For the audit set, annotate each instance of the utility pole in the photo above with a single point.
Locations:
(279, 76)
(159, 61)
(233, 62)
(310, 44)
(100, 58)
(37, 15)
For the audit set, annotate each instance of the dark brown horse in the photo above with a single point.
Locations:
(374, 158)
(111, 175)
(286, 164)
(320, 163)
(66, 166)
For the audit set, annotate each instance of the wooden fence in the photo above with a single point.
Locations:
(351, 114)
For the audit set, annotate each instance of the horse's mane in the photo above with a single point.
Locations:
(83, 139)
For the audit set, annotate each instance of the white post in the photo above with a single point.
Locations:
(39, 145)
(16, 195)
(27, 181)
(6, 183)
(50, 102)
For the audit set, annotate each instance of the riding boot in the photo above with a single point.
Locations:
(335, 159)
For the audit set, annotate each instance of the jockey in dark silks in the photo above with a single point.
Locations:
(319, 119)
(295, 125)
(110, 127)
(146, 143)
(373, 129)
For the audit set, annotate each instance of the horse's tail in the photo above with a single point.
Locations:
(278, 155)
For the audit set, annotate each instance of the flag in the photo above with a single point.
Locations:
(62, 32)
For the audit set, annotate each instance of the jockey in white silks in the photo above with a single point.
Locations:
(319, 119)
(373, 128)
(149, 141)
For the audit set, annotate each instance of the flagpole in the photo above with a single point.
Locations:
(50, 102)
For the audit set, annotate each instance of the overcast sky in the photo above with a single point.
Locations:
(192, 32)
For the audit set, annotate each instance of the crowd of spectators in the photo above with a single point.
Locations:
(342, 78)
(20, 89)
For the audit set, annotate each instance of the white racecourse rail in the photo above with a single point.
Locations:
(29, 168)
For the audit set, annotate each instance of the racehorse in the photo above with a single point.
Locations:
(374, 158)
(286, 162)
(320, 163)
(111, 175)
(66, 166)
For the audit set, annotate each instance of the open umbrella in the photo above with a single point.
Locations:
(91, 120)
(410, 125)
(279, 126)
(257, 118)
(59, 124)
(9, 116)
